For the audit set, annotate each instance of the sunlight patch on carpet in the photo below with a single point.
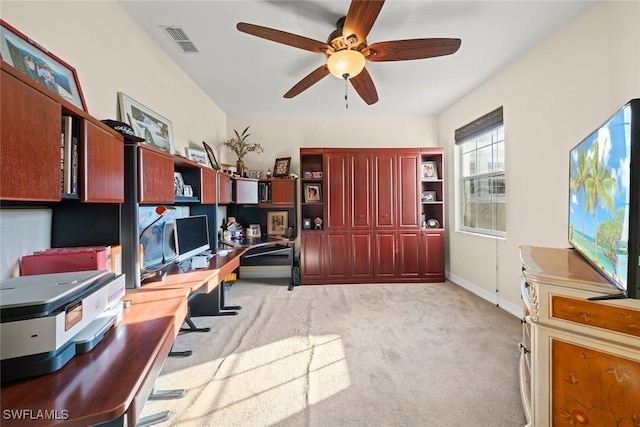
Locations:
(271, 382)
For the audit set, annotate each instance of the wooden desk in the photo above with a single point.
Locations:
(112, 381)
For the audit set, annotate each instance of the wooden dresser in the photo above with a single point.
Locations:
(580, 361)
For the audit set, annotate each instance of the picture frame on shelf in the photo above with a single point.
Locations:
(277, 222)
(255, 230)
(211, 155)
(146, 123)
(429, 171)
(198, 156)
(429, 196)
(178, 184)
(312, 192)
(281, 167)
(40, 65)
(306, 223)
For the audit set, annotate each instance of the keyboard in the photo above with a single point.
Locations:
(200, 261)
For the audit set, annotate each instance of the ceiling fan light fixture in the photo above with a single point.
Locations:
(346, 61)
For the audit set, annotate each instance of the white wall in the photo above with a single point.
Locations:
(282, 136)
(553, 97)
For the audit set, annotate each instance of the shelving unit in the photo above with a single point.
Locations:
(371, 209)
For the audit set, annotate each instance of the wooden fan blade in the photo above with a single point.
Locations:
(312, 78)
(283, 37)
(360, 18)
(363, 84)
(402, 50)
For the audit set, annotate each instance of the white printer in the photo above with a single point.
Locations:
(47, 319)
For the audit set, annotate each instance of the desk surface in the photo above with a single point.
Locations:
(193, 280)
(100, 385)
(252, 242)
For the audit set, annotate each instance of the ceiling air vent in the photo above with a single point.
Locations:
(181, 39)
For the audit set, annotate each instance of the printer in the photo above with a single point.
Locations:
(46, 319)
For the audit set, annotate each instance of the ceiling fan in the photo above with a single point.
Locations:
(347, 50)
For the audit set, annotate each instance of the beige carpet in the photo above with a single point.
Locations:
(351, 355)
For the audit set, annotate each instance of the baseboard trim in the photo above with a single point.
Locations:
(515, 310)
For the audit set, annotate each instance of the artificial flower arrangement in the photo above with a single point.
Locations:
(239, 144)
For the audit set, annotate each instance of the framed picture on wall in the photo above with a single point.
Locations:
(147, 124)
(40, 65)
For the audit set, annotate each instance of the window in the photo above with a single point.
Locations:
(482, 195)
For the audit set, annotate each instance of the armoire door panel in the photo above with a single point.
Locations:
(432, 254)
(385, 250)
(361, 255)
(408, 202)
(409, 254)
(361, 168)
(337, 191)
(336, 256)
(311, 256)
(385, 190)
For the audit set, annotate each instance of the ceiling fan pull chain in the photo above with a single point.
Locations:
(345, 76)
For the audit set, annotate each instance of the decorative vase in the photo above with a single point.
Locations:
(240, 167)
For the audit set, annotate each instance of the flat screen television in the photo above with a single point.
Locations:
(604, 199)
(188, 236)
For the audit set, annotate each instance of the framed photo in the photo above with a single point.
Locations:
(429, 196)
(312, 192)
(429, 171)
(211, 155)
(277, 223)
(255, 230)
(178, 184)
(306, 223)
(198, 156)
(281, 168)
(40, 65)
(147, 124)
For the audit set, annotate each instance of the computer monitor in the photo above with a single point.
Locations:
(190, 236)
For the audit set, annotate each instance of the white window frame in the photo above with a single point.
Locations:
(494, 173)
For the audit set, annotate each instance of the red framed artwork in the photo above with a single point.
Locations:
(40, 65)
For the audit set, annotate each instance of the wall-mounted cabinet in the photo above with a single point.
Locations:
(32, 160)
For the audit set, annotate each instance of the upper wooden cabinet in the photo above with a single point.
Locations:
(155, 176)
(103, 166)
(283, 192)
(30, 141)
(336, 178)
(385, 188)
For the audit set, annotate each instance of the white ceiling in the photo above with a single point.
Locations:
(246, 75)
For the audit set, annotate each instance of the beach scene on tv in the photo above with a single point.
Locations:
(599, 197)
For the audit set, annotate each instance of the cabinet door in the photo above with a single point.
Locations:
(102, 166)
(311, 257)
(384, 176)
(385, 252)
(156, 177)
(432, 255)
(225, 188)
(409, 254)
(283, 191)
(336, 256)
(208, 186)
(409, 202)
(361, 171)
(361, 258)
(30, 143)
(336, 200)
